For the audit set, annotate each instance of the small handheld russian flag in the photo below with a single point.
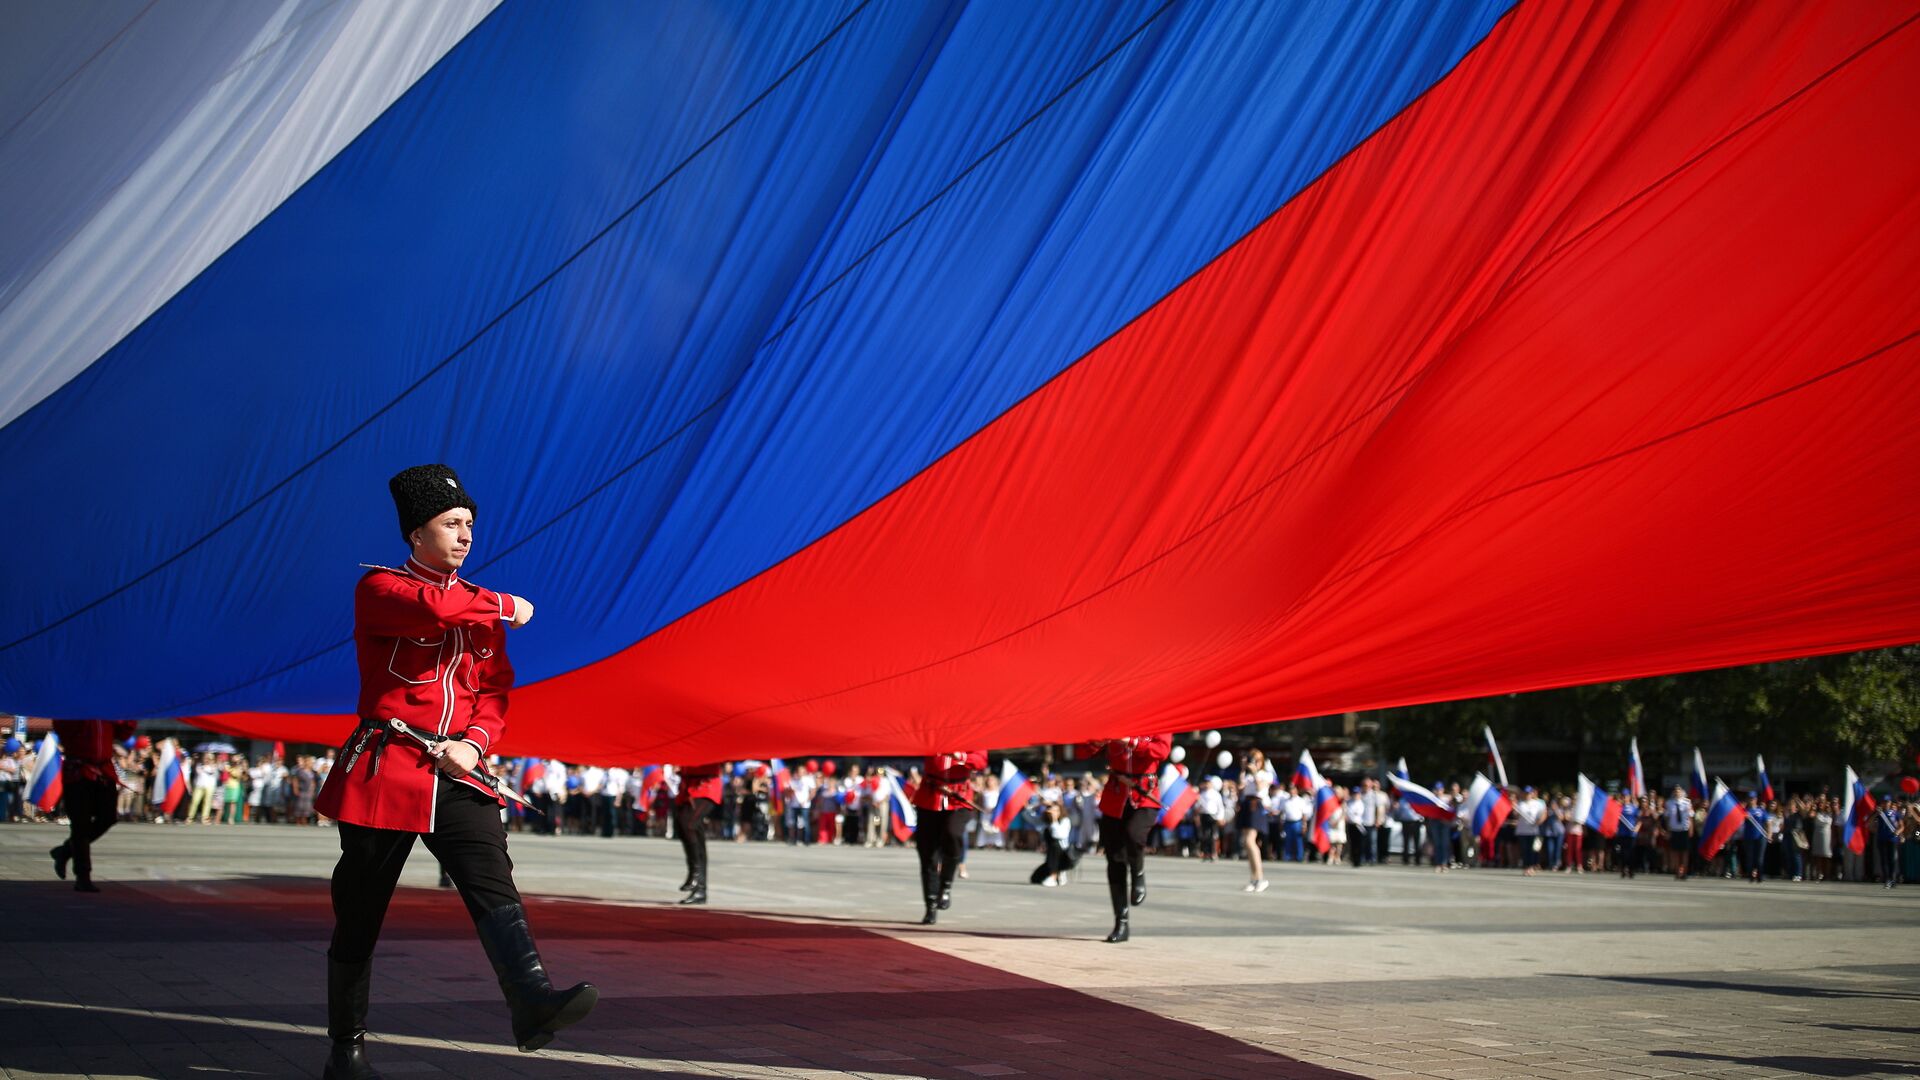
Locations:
(904, 818)
(47, 786)
(1305, 776)
(1176, 796)
(1724, 819)
(1856, 812)
(1762, 785)
(170, 779)
(1697, 779)
(1487, 809)
(1493, 758)
(1425, 802)
(1636, 775)
(1015, 792)
(1595, 809)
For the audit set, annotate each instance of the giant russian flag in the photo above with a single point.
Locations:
(1636, 774)
(1487, 809)
(1596, 809)
(170, 778)
(1177, 796)
(1015, 792)
(1425, 802)
(904, 818)
(1724, 818)
(44, 792)
(1855, 813)
(1250, 342)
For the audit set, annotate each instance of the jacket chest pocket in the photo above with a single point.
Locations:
(417, 660)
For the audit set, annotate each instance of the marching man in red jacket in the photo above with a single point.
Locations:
(941, 806)
(434, 679)
(1129, 805)
(92, 789)
(699, 793)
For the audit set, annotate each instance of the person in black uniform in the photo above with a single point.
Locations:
(90, 787)
(699, 793)
(942, 802)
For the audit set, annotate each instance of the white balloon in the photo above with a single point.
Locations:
(1213, 739)
(1225, 759)
(1179, 754)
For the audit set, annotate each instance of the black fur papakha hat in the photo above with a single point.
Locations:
(424, 492)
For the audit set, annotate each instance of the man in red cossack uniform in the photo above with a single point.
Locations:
(91, 789)
(941, 805)
(1129, 806)
(432, 653)
(699, 793)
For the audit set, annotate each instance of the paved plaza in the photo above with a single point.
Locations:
(203, 958)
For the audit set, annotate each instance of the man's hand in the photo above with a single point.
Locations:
(522, 611)
(455, 757)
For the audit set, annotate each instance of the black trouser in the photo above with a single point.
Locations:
(91, 811)
(1357, 849)
(1409, 844)
(1059, 861)
(690, 822)
(1125, 842)
(938, 836)
(1206, 834)
(467, 838)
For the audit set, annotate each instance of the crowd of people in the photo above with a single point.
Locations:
(1246, 814)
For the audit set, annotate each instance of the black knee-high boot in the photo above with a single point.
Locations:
(347, 986)
(929, 891)
(1117, 892)
(538, 1009)
(697, 885)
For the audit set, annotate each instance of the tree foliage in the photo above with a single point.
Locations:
(1824, 710)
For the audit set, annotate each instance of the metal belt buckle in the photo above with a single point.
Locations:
(354, 757)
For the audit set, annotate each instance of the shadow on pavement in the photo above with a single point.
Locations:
(1667, 981)
(721, 989)
(1805, 1066)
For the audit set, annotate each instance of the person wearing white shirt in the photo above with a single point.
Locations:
(1206, 823)
(206, 776)
(800, 791)
(1528, 813)
(1678, 818)
(1359, 826)
(1295, 811)
(1379, 807)
(616, 788)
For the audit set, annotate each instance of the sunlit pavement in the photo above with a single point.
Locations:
(204, 957)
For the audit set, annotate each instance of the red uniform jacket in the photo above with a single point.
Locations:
(1133, 779)
(86, 749)
(433, 653)
(946, 782)
(699, 782)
